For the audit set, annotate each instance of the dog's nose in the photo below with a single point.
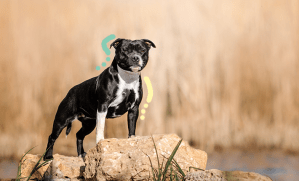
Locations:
(135, 58)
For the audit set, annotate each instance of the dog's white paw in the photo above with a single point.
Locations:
(132, 136)
(99, 139)
(82, 155)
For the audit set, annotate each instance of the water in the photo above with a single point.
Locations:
(275, 164)
(8, 168)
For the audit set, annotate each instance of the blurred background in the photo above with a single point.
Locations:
(224, 74)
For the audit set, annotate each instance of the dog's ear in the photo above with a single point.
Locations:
(149, 43)
(116, 42)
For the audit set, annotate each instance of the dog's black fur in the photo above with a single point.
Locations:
(93, 96)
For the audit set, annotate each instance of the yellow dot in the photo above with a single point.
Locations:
(145, 105)
(142, 111)
(142, 117)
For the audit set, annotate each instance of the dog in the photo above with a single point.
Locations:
(117, 90)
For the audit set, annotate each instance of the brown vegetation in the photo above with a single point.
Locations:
(224, 73)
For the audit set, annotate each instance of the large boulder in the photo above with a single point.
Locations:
(129, 159)
(218, 175)
(61, 167)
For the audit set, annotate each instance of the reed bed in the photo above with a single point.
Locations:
(224, 73)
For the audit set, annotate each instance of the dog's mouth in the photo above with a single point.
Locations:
(135, 68)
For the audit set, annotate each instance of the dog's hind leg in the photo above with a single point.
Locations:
(88, 126)
(63, 117)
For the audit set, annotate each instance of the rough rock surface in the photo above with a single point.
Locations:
(128, 159)
(218, 175)
(28, 165)
(62, 167)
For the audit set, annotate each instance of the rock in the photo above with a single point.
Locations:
(61, 167)
(245, 176)
(128, 159)
(28, 165)
(217, 175)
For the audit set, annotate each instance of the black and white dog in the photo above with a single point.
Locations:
(117, 90)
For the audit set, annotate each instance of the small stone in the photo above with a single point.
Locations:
(61, 167)
(218, 175)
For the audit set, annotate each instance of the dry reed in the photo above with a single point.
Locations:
(224, 73)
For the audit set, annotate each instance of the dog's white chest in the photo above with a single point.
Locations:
(126, 83)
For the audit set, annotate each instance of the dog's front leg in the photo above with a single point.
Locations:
(101, 116)
(132, 119)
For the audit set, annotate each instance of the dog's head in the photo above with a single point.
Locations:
(132, 55)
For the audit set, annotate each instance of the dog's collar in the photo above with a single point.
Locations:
(128, 76)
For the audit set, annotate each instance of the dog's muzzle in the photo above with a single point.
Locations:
(135, 68)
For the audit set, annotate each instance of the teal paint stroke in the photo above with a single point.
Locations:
(105, 41)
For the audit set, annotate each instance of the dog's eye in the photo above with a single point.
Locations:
(142, 51)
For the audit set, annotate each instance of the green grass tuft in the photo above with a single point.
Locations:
(175, 172)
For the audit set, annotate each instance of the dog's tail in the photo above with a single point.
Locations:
(68, 128)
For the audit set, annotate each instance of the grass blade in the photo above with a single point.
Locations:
(177, 178)
(160, 169)
(170, 158)
(20, 165)
(43, 164)
(179, 168)
(21, 178)
(196, 168)
(154, 176)
(27, 152)
(162, 163)
(171, 170)
(37, 165)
